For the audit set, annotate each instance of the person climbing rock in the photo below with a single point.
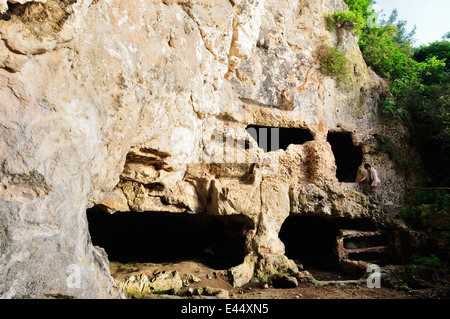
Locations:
(372, 180)
(371, 175)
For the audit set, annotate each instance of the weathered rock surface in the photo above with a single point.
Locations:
(160, 283)
(4, 3)
(125, 104)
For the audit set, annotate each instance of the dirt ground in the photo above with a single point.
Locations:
(213, 278)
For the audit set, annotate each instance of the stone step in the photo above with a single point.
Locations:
(356, 239)
(364, 242)
(352, 233)
(360, 248)
(374, 255)
(377, 249)
(359, 267)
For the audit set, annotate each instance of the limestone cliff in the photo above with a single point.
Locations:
(142, 106)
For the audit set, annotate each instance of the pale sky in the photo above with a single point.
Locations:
(432, 17)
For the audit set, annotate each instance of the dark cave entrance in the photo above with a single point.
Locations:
(311, 241)
(319, 243)
(348, 157)
(159, 237)
(272, 139)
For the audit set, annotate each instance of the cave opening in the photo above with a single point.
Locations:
(348, 157)
(161, 237)
(272, 139)
(311, 241)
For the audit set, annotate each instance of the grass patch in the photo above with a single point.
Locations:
(333, 63)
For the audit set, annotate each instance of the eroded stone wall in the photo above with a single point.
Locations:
(116, 103)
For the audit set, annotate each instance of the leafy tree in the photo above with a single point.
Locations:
(430, 112)
(360, 7)
(403, 38)
(438, 49)
(388, 48)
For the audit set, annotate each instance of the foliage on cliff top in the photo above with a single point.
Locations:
(358, 16)
(344, 19)
(419, 84)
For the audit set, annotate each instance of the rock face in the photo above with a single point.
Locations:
(143, 106)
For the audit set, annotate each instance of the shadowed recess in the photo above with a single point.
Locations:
(311, 241)
(272, 139)
(159, 237)
(348, 157)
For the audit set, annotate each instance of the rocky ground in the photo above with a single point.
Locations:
(197, 277)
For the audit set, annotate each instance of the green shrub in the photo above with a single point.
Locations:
(413, 217)
(345, 19)
(444, 199)
(437, 49)
(421, 208)
(360, 6)
(431, 261)
(333, 63)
